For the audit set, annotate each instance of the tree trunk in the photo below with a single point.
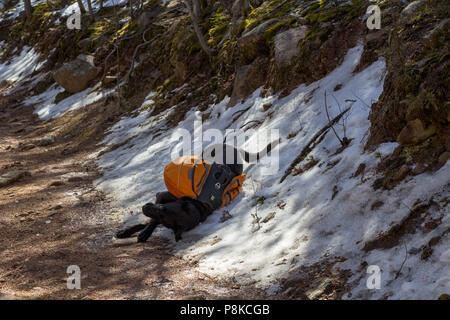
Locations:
(196, 9)
(28, 8)
(197, 30)
(80, 5)
(91, 12)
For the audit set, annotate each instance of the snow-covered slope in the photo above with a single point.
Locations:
(309, 223)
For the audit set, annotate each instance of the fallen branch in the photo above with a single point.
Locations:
(307, 149)
(130, 71)
(329, 119)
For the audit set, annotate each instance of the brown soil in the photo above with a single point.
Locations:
(49, 222)
(304, 282)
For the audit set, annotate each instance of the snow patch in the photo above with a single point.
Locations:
(19, 68)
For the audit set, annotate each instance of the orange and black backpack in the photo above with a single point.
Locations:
(193, 177)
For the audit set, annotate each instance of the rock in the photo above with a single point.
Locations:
(252, 43)
(375, 205)
(324, 287)
(414, 250)
(411, 8)
(418, 169)
(266, 106)
(414, 132)
(401, 173)
(23, 214)
(215, 240)
(248, 79)
(443, 158)
(56, 183)
(225, 216)
(12, 176)
(5, 84)
(57, 207)
(123, 242)
(74, 76)
(46, 141)
(268, 217)
(286, 45)
(257, 32)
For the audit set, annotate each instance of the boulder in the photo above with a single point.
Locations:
(248, 78)
(414, 132)
(286, 45)
(74, 76)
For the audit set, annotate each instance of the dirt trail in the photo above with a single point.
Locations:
(53, 217)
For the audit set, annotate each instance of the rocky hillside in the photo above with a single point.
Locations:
(372, 189)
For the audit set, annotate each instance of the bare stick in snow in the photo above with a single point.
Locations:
(255, 215)
(310, 145)
(404, 260)
(344, 119)
(329, 119)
